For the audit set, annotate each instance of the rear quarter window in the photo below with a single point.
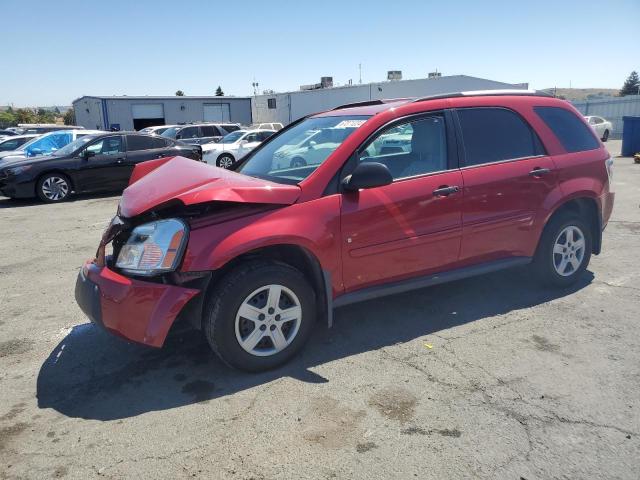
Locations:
(573, 133)
(495, 134)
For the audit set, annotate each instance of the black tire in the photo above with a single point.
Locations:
(297, 162)
(225, 160)
(219, 317)
(545, 260)
(55, 178)
(605, 136)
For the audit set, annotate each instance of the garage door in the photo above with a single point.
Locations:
(147, 110)
(217, 112)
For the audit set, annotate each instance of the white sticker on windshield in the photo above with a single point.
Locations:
(350, 124)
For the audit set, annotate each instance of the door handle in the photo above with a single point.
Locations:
(538, 172)
(445, 190)
(119, 160)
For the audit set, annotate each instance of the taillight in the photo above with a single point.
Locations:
(609, 164)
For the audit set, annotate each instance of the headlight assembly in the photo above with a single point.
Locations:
(154, 248)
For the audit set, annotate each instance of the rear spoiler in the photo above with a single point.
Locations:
(145, 168)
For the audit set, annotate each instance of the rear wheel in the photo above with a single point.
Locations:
(564, 251)
(260, 315)
(605, 136)
(53, 187)
(225, 161)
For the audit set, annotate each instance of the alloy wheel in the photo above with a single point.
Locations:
(55, 188)
(268, 320)
(225, 161)
(568, 251)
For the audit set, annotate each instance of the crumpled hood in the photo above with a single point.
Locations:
(192, 182)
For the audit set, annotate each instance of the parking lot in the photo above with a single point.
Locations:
(489, 377)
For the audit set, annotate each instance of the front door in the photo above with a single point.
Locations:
(104, 167)
(507, 177)
(411, 227)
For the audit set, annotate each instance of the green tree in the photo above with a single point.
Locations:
(631, 85)
(25, 115)
(45, 116)
(70, 117)
(7, 118)
(219, 92)
(179, 93)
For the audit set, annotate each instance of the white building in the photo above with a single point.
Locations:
(290, 106)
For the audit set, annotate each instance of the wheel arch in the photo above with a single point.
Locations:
(59, 172)
(585, 206)
(295, 256)
(224, 153)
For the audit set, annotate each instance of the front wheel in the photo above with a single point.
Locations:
(225, 161)
(260, 315)
(564, 251)
(53, 187)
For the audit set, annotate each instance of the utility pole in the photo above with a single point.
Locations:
(360, 69)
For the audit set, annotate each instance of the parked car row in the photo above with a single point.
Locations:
(92, 162)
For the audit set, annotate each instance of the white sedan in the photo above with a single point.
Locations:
(233, 147)
(601, 126)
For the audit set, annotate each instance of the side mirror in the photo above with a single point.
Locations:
(312, 144)
(243, 142)
(87, 154)
(367, 175)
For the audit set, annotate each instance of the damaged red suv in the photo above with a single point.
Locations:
(390, 196)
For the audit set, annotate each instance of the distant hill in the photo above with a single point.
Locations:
(582, 94)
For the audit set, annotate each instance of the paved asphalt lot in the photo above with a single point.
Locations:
(488, 377)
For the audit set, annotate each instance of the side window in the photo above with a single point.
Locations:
(409, 149)
(209, 131)
(572, 132)
(265, 135)
(189, 132)
(252, 137)
(597, 120)
(106, 146)
(139, 142)
(496, 134)
(157, 142)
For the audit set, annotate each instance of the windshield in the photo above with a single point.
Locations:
(171, 132)
(233, 136)
(73, 146)
(293, 155)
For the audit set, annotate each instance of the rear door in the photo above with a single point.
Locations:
(104, 170)
(210, 133)
(190, 135)
(411, 227)
(507, 176)
(141, 148)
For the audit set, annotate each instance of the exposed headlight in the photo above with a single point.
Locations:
(154, 248)
(18, 170)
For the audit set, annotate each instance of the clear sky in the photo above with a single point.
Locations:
(55, 51)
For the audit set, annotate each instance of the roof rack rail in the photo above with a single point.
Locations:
(484, 93)
(358, 104)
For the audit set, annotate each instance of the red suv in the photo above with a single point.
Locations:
(395, 195)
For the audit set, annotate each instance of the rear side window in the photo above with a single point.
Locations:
(189, 132)
(139, 142)
(496, 134)
(572, 132)
(209, 131)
